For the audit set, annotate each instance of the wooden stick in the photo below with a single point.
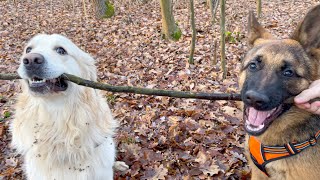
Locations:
(138, 90)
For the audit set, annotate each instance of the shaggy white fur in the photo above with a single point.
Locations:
(64, 131)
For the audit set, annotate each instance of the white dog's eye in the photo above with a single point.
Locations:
(61, 51)
(28, 49)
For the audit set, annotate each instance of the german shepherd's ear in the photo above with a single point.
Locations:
(308, 31)
(256, 33)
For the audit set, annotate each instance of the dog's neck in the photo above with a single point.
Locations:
(63, 108)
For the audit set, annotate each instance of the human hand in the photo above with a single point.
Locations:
(303, 99)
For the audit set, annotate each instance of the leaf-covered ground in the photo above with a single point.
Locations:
(159, 137)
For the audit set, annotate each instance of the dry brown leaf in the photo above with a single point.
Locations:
(161, 173)
(202, 158)
(211, 170)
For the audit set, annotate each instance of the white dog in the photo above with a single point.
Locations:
(64, 131)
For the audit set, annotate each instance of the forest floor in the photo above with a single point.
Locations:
(158, 137)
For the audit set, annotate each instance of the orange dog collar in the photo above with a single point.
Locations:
(261, 155)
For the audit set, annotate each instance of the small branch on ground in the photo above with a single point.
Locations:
(138, 90)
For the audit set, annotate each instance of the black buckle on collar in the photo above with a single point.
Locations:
(312, 141)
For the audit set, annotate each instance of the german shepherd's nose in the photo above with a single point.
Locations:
(255, 99)
(33, 61)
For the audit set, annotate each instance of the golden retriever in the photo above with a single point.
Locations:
(63, 131)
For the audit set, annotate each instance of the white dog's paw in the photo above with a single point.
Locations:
(120, 166)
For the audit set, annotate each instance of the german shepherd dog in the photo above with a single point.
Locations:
(282, 139)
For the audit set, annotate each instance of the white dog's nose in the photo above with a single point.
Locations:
(33, 61)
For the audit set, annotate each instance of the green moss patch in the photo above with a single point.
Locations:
(109, 10)
(176, 34)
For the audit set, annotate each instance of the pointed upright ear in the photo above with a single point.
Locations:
(308, 31)
(256, 31)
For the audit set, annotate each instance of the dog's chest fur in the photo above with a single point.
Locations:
(57, 135)
(39, 127)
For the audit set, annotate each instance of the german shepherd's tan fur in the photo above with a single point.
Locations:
(280, 70)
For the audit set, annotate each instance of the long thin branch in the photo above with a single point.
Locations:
(137, 90)
(9, 76)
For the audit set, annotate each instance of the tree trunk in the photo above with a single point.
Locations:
(103, 8)
(84, 8)
(193, 26)
(215, 45)
(223, 42)
(259, 7)
(213, 5)
(170, 29)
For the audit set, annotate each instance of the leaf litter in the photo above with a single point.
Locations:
(158, 137)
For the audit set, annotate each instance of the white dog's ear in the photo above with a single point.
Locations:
(87, 63)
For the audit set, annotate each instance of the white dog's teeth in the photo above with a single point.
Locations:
(252, 128)
(38, 81)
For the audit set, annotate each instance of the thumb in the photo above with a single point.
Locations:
(307, 95)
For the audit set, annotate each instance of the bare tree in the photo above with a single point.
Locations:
(223, 42)
(213, 5)
(170, 29)
(193, 26)
(84, 8)
(103, 8)
(259, 7)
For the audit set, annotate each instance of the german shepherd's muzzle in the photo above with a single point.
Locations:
(273, 72)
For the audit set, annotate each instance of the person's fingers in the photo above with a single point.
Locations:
(307, 95)
(316, 103)
(302, 100)
(313, 108)
(317, 111)
(315, 83)
(303, 106)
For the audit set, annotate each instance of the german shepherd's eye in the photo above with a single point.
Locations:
(61, 51)
(252, 66)
(288, 73)
(28, 49)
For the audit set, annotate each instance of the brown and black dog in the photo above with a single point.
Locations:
(282, 139)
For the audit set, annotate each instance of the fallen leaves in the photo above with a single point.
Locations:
(13, 162)
(211, 170)
(159, 137)
(156, 173)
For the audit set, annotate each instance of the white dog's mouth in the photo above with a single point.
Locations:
(43, 85)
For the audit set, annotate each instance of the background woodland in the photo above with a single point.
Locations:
(159, 137)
